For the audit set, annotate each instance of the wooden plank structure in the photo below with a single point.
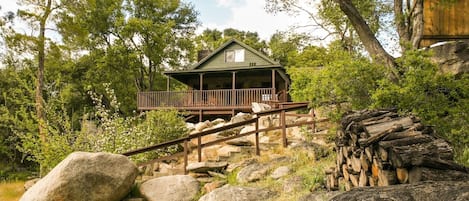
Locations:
(445, 21)
(224, 82)
(185, 140)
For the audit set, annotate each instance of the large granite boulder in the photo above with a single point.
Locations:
(452, 57)
(236, 193)
(252, 172)
(424, 191)
(260, 107)
(170, 188)
(203, 167)
(86, 176)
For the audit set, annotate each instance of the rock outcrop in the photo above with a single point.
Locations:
(86, 176)
(236, 193)
(170, 188)
(452, 57)
(425, 191)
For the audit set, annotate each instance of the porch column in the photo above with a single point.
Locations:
(167, 83)
(201, 81)
(233, 88)
(273, 85)
(201, 87)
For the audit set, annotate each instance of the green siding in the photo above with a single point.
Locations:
(218, 61)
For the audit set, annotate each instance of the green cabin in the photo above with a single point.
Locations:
(224, 82)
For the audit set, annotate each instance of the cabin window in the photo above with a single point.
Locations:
(234, 55)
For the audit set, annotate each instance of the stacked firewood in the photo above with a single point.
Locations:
(381, 148)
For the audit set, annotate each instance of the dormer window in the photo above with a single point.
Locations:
(234, 55)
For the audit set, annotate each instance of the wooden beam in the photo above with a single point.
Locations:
(167, 83)
(201, 81)
(233, 88)
(273, 83)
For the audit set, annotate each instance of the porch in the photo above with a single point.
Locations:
(210, 101)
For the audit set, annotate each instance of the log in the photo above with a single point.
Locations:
(379, 128)
(348, 185)
(375, 169)
(417, 174)
(426, 154)
(340, 156)
(402, 175)
(372, 181)
(386, 177)
(382, 153)
(402, 134)
(360, 115)
(354, 180)
(369, 152)
(345, 172)
(363, 180)
(356, 163)
(378, 136)
(418, 139)
(365, 163)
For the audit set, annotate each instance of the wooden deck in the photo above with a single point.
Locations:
(194, 100)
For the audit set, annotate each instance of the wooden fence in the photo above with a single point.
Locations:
(200, 99)
(185, 140)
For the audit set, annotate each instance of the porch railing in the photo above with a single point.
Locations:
(221, 98)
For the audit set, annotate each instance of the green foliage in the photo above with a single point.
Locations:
(439, 99)
(339, 78)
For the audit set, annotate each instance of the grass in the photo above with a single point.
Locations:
(11, 191)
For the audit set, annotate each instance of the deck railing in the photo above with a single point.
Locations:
(220, 98)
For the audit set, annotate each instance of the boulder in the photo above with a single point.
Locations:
(203, 167)
(209, 187)
(260, 107)
(424, 191)
(203, 125)
(190, 126)
(225, 151)
(452, 57)
(280, 172)
(241, 141)
(28, 184)
(319, 196)
(252, 172)
(294, 183)
(86, 176)
(171, 188)
(218, 121)
(240, 117)
(237, 193)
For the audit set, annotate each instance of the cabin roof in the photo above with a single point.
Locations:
(201, 63)
(199, 67)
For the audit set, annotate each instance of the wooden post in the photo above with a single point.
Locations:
(186, 150)
(200, 115)
(258, 152)
(168, 98)
(284, 127)
(314, 120)
(233, 89)
(199, 148)
(167, 83)
(273, 85)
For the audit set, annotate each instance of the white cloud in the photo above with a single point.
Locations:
(250, 15)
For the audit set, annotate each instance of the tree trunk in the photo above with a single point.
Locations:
(372, 45)
(40, 76)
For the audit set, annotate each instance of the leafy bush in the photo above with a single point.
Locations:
(115, 133)
(439, 99)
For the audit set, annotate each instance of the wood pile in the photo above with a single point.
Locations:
(381, 148)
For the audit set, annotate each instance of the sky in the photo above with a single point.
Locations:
(244, 15)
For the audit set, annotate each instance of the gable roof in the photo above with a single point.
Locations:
(226, 45)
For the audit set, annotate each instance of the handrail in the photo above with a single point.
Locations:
(198, 135)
